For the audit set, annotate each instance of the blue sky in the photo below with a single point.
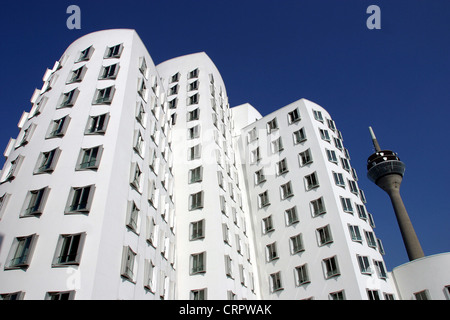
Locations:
(272, 53)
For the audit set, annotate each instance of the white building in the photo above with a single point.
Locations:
(134, 181)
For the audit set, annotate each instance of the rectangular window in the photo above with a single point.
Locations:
(86, 54)
(109, 72)
(21, 252)
(252, 135)
(277, 145)
(281, 167)
(293, 116)
(58, 127)
(193, 115)
(338, 143)
(97, 124)
(263, 199)
(193, 74)
(196, 201)
(80, 199)
(143, 67)
(69, 98)
(291, 216)
(271, 251)
(255, 155)
(338, 295)
(10, 171)
(324, 135)
(133, 218)
(331, 124)
(371, 240)
(302, 276)
(61, 295)
(259, 177)
(324, 235)
(195, 175)
(338, 179)
(355, 234)
(104, 96)
(129, 267)
(194, 132)
(345, 164)
(311, 181)
(175, 77)
(199, 294)
(193, 86)
(305, 157)
(318, 207)
(296, 244)
(272, 125)
(114, 51)
(364, 265)
(194, 152)
(275, 280)
(331, 155)
(47, 161)
(35, 202)
(77, 75)
(347, 205)
(198, 263)
(318, 115)
(194, 99)
(267, 224)
(331, 267)
(361, 211)
(353, 186)
(136, 177)
(381, 269)
(299, 136)
(197, 230)
(69, 249)
(373, 294)
(286, 190)
(422, 295)
(89, 158)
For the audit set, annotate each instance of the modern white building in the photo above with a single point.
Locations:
(134, 181)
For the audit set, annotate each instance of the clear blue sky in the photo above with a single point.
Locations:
(272, 53)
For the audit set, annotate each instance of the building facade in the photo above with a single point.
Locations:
(134, 181)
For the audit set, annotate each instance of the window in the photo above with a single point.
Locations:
(194, 99)
(175, 77)
(77, 75)
(86, 54)
(318, 207)
(338, 179)
(371, 220)
(275, 281)
(223, 205)
(89, 158)
(291, 216)
(255, 155)
(305, 157)
(35, 202)
(355, 234)
(173, 103)
(104, 96)
(194, 152)
(353, 187)
(259, 177)
(47, 161)
(296, 243)
(193, 74)
(80, 199)
(142, 89)
(331, 267)
(271, 251)
(21, 252)
(62, 295)
(380, 246)
(318, 115)
(373, 294)
(267, 224)
(196, 201)
(12, 296)
(193, 86)
(10, 171)
(129, 267)
(263, 199)
(388, 296)
(197, 230)
(293, 116)
(58, 127)
(331, 155)
(286, 190)
(361, 211)
(371, 240)
(422, 295)
(193, 115)
(114, 51)
(136, 177)
(324, 135)
(277, 145)
(272, 125)
(338, 295)
(68, 98)
(299, 136)
(149, 276)
(133, 218)
(195, 175)
(109, 72)
(282, 167)
(69, 249)
(324, 235)
(198, 263)
(97, 124)
(338, 143)
(346, 205)
(3, 202)
(311, 181)
(199, 294)
(331, 124)
(381, 269)
(345, 164)
(139, 143)
(252, 135)
(364, 265)
(143, 67)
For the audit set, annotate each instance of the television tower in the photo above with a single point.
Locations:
(385, 169)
